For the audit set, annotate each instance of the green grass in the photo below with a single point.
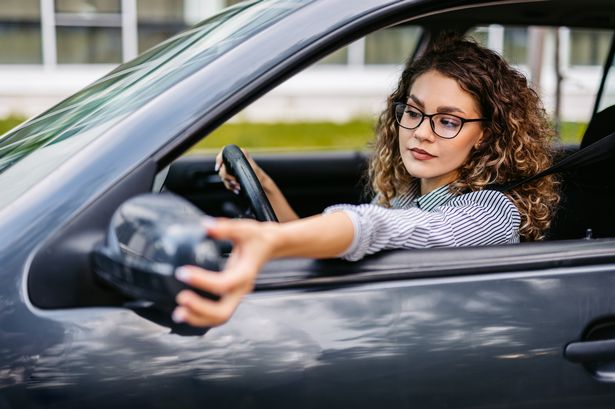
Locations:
(10, 122)
(354, 134)
(318, 135)
(572, 132)
(293, 135)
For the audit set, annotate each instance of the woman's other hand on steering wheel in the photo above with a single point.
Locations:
(280, 205)
(231, 183)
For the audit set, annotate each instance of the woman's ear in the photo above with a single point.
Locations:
(478, 143)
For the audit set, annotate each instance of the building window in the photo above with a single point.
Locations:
(515, 49)
(589, 47)
(339, 57)
(88, 31)
(89, 45)
(159, 20)
(386, 47)
(509, 41)
(20, 32)
(88, 6)
(391, 46)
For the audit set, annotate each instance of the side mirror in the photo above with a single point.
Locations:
(148, 238)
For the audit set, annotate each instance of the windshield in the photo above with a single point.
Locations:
(49, 140)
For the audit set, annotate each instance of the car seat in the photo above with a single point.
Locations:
(587, 206)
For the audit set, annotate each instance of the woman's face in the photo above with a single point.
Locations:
(426, 155)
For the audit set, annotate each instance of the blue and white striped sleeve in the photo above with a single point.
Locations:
(473, 219)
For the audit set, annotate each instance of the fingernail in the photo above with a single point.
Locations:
(182, 274)
(179, 315)
(236, 191)
(217, 167)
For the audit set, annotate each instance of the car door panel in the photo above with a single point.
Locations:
(426, 342)
(488, 340)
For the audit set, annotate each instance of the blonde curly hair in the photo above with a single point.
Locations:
(516, 141)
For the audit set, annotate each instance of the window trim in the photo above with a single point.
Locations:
(437, 263)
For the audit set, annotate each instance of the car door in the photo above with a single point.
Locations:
(485, 327)
(457, 328)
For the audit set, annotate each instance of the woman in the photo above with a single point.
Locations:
(461, 119)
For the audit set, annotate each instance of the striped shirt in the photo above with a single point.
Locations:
(436, 219)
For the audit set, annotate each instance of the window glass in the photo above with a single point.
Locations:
(87, 6)
(391, 46)
(160, 10)
(89, 45)
(589, 47)
(20, 9)
(20, 32)
(159, 20)
(20, 43)
(152, 34)
(515, 47)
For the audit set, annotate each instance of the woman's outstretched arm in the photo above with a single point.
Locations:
(255, 243)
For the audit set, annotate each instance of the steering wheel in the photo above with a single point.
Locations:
(251, 190)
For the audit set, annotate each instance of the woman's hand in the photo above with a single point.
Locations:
(280, 205)
(231, 183)
(253, 244)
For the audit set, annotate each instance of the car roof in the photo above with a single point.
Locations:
(572, 13)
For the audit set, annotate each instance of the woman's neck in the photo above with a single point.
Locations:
(430, 184)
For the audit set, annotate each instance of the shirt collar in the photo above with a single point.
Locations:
(433, 199)
(428, 202)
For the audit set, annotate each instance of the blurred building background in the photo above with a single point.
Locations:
(51, 48)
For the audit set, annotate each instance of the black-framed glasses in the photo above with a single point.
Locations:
(445, 126)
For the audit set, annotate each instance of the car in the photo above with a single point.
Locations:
(530, 325)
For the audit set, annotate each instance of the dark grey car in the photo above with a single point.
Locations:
(525, 326)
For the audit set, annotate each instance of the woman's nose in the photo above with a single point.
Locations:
(424, 131)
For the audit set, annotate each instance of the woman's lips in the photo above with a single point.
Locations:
(420, 154)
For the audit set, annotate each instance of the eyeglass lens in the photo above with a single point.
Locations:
(446, 126)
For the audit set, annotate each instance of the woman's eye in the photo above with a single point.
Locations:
(413, 114)
(449, 122)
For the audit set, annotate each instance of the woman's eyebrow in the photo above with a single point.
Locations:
(450, 110)
(441, 109)
(416, 101)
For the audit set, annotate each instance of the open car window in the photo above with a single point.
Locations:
(332, 105)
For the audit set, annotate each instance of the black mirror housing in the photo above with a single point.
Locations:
(149, 237)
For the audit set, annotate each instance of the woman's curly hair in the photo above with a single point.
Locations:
(516, 141)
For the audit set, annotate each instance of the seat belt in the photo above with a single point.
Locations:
(599, 151)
